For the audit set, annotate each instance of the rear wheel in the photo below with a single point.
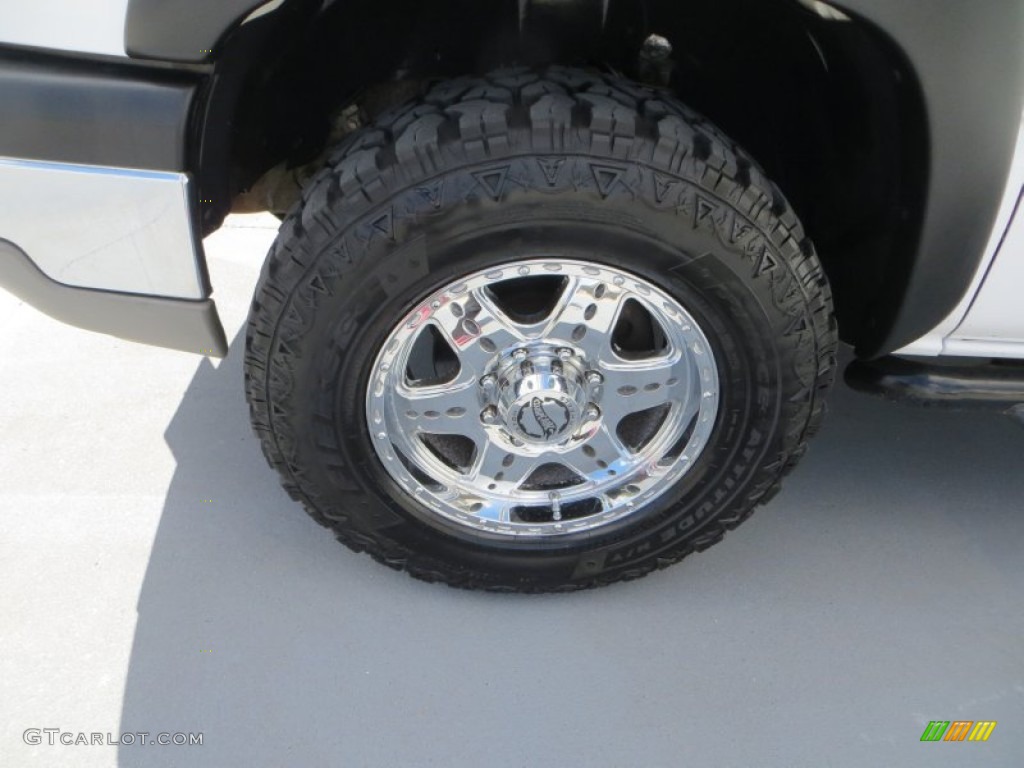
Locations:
(538, 331)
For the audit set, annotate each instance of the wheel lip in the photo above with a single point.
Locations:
(704, 420)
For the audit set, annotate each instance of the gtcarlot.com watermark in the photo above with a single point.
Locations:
(55, 736)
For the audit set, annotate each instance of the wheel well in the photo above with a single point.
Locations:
(826, 103)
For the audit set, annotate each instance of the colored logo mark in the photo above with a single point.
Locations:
(958, 730)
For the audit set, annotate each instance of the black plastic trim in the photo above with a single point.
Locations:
(969, 59)
(70, 110)
(190, 326)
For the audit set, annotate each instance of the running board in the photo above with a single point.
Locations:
(995, 386)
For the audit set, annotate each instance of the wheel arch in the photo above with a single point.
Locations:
(853, 122)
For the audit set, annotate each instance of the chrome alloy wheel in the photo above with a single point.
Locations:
(542, 398)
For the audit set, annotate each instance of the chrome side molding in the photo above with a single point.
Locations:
(113, 229)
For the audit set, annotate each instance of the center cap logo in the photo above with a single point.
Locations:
(543, 419)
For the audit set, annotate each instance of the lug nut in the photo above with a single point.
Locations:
(565, 353)
(592, 412)
(595, 378)
(489, 415)
(487, 381)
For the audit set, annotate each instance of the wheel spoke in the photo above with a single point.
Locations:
(600, 455)
(496, 465)
(643, 384)
(442, 409)
(476, 328)
(586, 312)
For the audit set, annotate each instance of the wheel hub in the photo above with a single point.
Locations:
(540, 395)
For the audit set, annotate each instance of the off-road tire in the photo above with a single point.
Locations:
(515, 152)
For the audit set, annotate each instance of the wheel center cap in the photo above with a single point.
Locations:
(542, 418)
(541, 397)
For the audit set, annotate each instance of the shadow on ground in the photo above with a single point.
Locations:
(880, 590)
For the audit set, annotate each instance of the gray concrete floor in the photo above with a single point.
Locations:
(157, 579)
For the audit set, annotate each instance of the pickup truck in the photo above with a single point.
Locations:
(558, 286)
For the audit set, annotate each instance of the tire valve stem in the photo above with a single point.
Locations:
(556, 506)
